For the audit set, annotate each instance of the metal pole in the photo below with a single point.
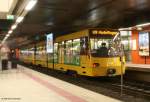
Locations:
(53, 55)
(121, 60)
(0, 59)
(121, 76)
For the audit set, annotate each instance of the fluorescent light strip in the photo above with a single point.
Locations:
(10, 32)
(14, 26)
(139, 25)
(19, 19)
(129, 28)
(5, 38)
(7, 35)
(145, 24)
(30, 5)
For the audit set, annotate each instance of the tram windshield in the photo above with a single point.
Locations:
(106, 46)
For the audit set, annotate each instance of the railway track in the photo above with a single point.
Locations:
(143, 90)
(131, 87)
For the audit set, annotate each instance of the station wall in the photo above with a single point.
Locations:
(136, 58)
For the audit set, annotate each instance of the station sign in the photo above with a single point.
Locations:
(49, 43)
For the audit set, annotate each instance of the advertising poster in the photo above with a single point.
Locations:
(143, 43)
(49, 44)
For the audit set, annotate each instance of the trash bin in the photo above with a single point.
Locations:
(4, 64)
(13, 65)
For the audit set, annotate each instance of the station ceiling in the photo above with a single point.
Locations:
(65, 16)
(6, 8)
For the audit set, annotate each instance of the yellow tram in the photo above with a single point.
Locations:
(27, 54)
(91, 52)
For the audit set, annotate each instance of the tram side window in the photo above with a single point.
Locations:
(44, 50)
(23, 53)
(41, 51)
(56, 53)
(33, 49)
(68, 52)
(30, 52)
(27, 52)
(61, 52)
(38, 53)
(76, 52)
(84, 46)
(50, 57)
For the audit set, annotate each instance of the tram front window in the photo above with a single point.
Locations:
(104, 47)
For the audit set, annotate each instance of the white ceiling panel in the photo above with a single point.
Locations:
(5, 5)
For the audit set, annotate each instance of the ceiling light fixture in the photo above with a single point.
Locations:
(7, 35)
(139, 28)
(19, 19)
(14, 26)
(5, 38)
(124, 29)
(144, 24)
(30, 5)
(10, 32)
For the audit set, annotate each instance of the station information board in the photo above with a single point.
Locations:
(49, 43)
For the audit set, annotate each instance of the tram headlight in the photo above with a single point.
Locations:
(96, 65)
(111, 71)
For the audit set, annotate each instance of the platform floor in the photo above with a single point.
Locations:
(26, 85)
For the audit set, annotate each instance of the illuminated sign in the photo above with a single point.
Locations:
(49, 43)
(10, 17)
(143, 43)
(95, 32)
(134, 44)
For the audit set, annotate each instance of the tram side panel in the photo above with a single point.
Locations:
(30, 57)
(69, 57)
(24, 55)
(27, 55)
(41, 55)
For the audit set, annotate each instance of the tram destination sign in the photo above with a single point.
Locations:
(102, 32)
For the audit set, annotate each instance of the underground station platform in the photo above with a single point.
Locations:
(31, 84)
(26, 85)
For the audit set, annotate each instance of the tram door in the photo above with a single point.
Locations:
(61, 53)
